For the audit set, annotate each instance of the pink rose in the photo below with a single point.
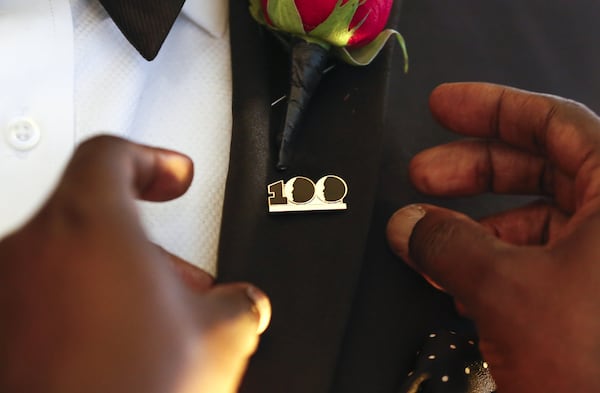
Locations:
(369, 19)
(352, 31)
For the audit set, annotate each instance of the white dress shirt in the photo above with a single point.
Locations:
(67, 73)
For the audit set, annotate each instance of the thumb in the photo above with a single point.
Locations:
(449, 249)
(106, 166)
(230, 319)
(236, 304)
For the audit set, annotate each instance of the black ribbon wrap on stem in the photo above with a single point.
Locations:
(308, 62)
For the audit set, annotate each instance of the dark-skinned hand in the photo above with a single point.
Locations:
(529, 277)
(88, 304)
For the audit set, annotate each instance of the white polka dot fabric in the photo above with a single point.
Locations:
(449, 362)
(180, 101)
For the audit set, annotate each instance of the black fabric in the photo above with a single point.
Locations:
(348, 316)
(294, 257)
(145, 23)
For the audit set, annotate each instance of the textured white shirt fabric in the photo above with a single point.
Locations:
(69, 74)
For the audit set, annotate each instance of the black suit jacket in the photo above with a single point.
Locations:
(347, 315)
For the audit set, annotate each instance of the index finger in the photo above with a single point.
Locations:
(566, 132)
(106, 175)
(107, 166)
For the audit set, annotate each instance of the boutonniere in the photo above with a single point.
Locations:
(352, 31)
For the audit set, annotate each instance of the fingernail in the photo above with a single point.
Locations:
(178, 165)
(401, 226)
(262, 306)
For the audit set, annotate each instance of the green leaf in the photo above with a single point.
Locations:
(285, 16)
(366, 54)
(336, 28)
(256, 12)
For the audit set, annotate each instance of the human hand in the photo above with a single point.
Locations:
(528, 277)
(88, 304)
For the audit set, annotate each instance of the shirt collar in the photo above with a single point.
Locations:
(210, 15)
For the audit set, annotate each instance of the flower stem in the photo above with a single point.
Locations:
(308, 62)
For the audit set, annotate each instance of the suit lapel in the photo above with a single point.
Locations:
(308, 263)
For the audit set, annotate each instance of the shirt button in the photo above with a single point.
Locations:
(23, 133)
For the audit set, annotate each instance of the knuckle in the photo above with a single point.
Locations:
(428, 244)
(69, 213)
(100, 143)
(100, 153)
(501, 280)
(95, 146)
(96, 162)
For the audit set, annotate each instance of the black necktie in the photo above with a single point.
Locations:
(145, 23)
